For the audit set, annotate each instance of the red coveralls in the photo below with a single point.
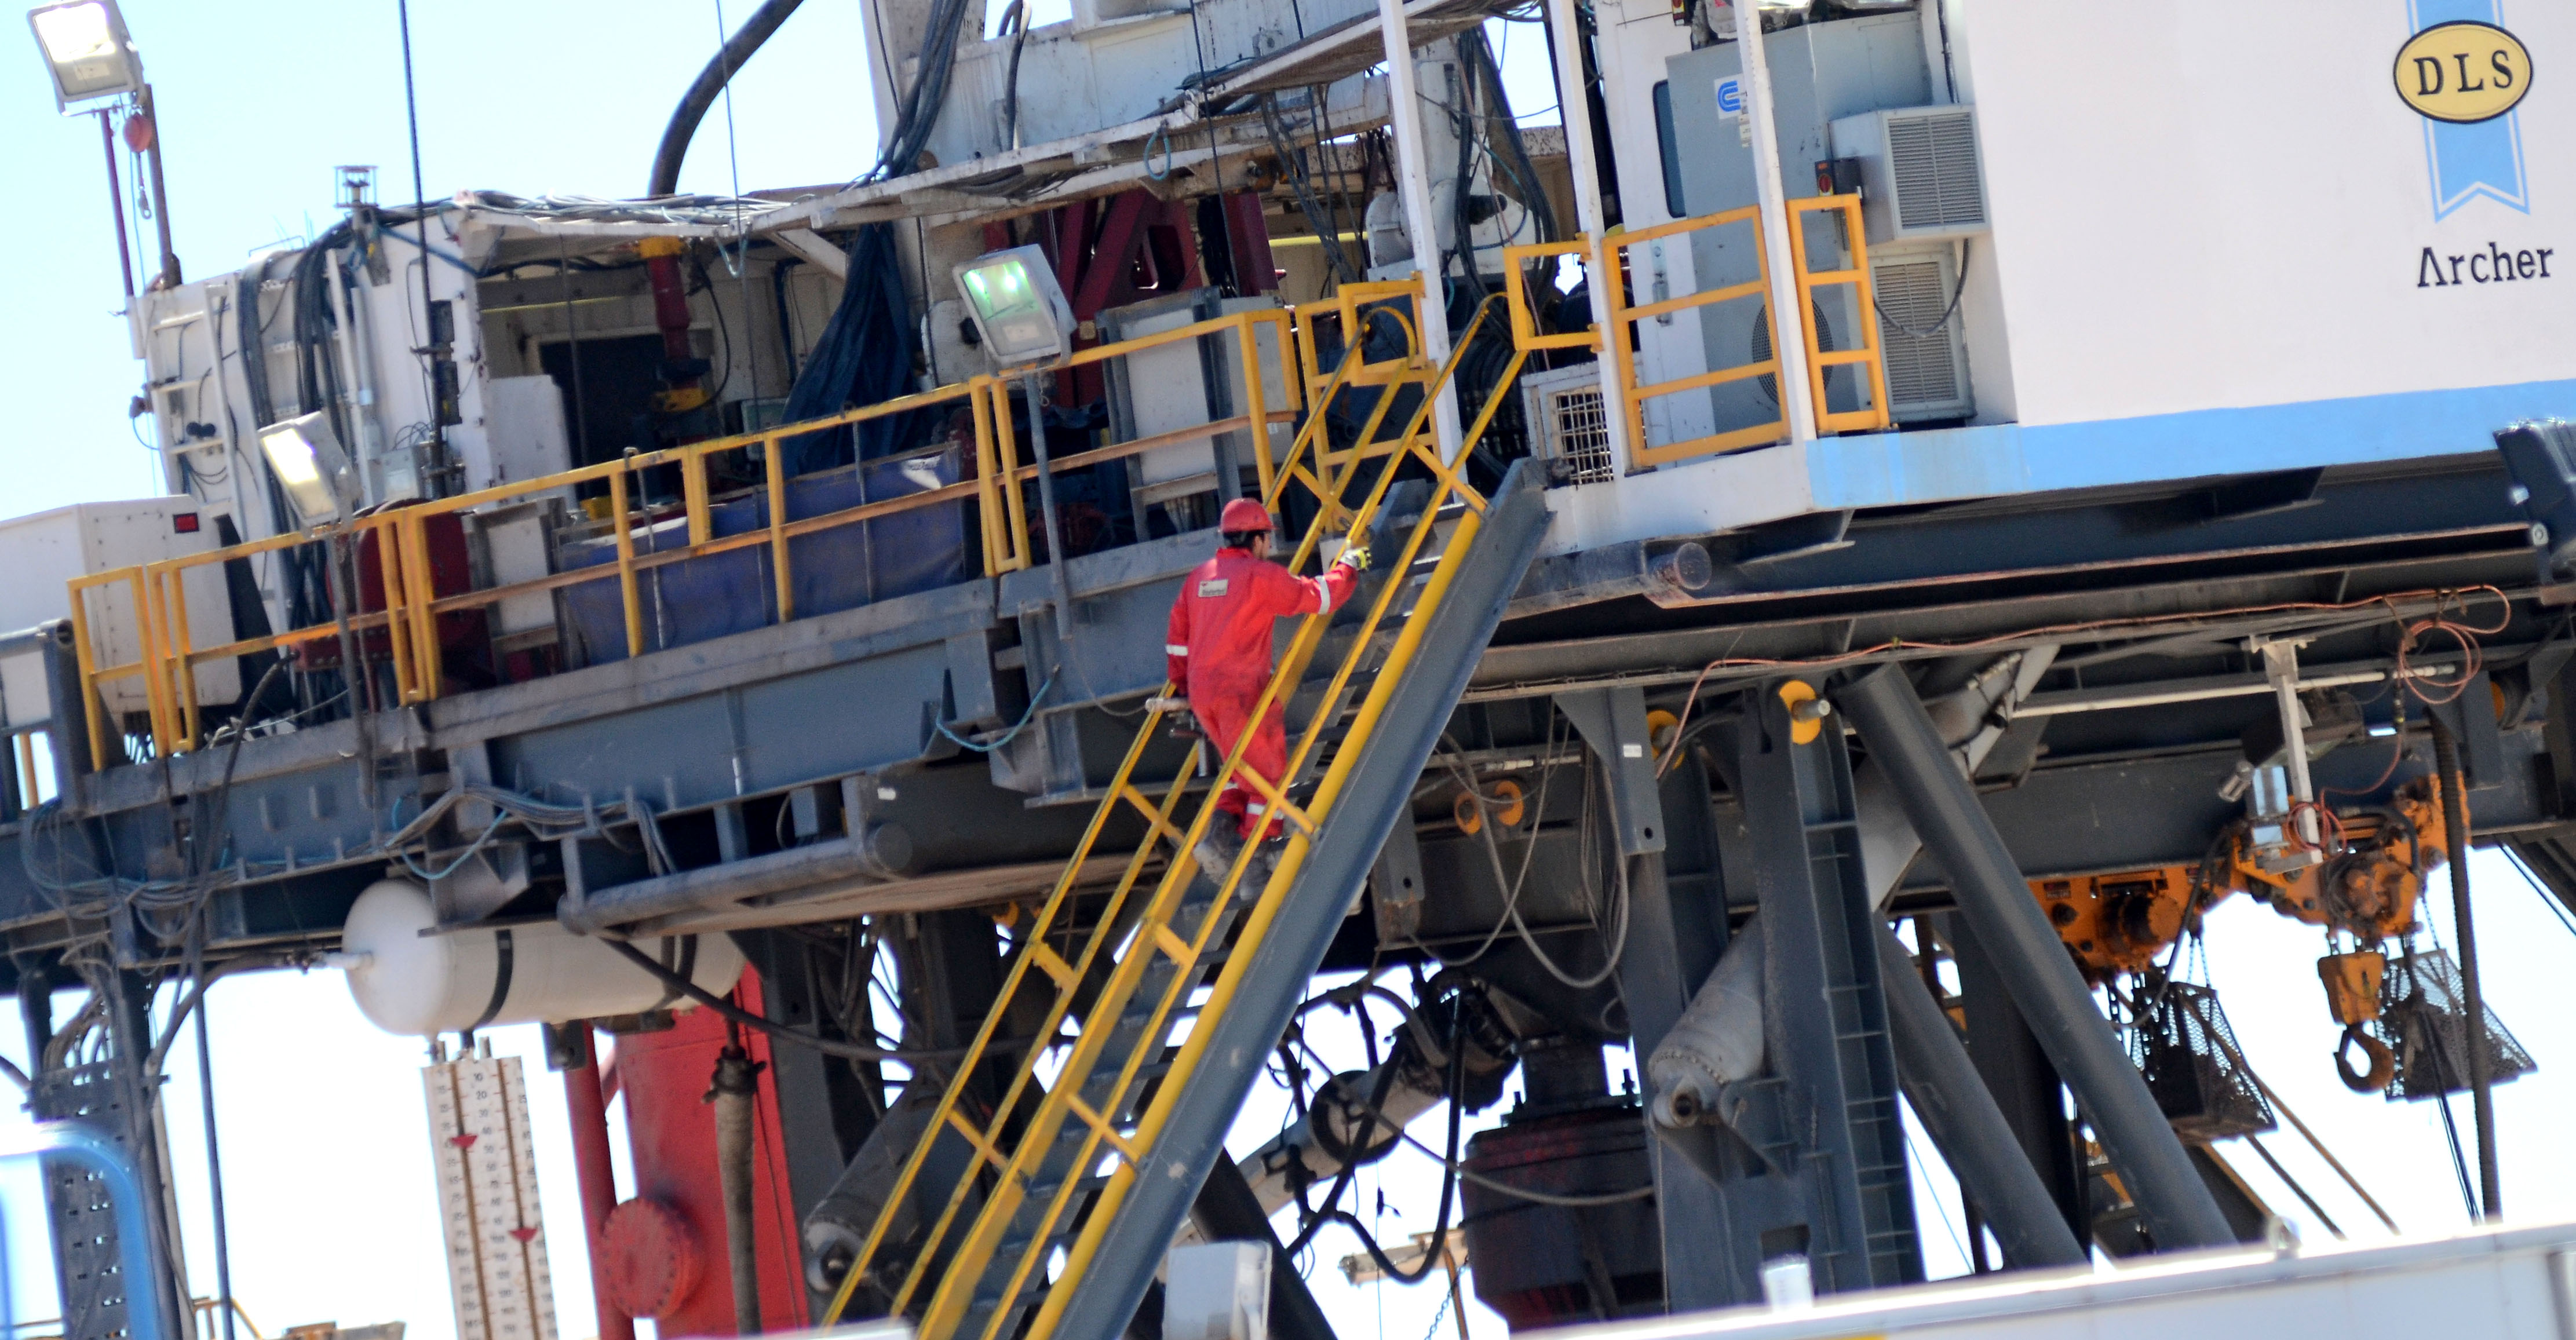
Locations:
(1219, 645)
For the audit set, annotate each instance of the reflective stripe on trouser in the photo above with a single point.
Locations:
(1222, 719)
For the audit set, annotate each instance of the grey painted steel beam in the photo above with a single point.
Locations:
(1677, 929)
(1613, 722)
(1824, 1016)
(1961, 1117)
(2018, 1075)
(1375, 796)
(863, 858)
(1996, 901)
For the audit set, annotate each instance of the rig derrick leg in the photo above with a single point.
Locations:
(1961, 1117)
(1995, 901)
(1806, 1152)
(1677, 929)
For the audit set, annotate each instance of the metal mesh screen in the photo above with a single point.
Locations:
(1579, 433)
(2424, 1020)
(2183, 1046)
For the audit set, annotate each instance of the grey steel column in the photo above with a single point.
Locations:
(1996, 901)
(1962, 1119)
(1676, 930)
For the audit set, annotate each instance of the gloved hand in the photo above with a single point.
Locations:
(1176, 710)
(1355, 557)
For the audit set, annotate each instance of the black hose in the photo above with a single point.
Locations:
(702, 94)
(2455, 834)
(1448, 1185)
(728, 1010)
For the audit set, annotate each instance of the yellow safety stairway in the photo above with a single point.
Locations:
(1074, 1182)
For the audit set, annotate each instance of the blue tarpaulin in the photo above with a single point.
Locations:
(864, 357)
(839, 568)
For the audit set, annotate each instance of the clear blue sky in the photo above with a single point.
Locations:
(326, 1147)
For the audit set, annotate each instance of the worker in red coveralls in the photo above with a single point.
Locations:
(1219, 647)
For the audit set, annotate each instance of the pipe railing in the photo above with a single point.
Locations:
(167, 659)
(1625, 317)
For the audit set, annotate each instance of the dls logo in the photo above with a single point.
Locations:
(2464, 74)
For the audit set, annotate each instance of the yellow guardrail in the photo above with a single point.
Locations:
(167, 662)
(1624, 318)
(1868, 357)
(1130, 936)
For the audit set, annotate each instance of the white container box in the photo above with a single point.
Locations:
(43, 552)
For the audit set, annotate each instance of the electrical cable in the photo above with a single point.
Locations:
(734, 1014)
(2556, 909)
(1448, 1182)
(1959, 290)
(2441, 596)
(1585, 860)
(919, 112)
(1480, 1179)
(1015, 22)
(1007, 736)
(430, 349)
(1300, 184)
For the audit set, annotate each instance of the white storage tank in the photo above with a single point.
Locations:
(418, 985)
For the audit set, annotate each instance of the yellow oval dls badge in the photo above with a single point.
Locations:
(2463, 72)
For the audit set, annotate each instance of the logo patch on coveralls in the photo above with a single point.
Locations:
(1212, 588)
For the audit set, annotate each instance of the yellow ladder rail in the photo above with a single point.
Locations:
(1045, 921)
(1037, 1139)
(1291, 862)
(954, 1295)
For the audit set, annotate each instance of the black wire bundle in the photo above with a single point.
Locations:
(921, 104)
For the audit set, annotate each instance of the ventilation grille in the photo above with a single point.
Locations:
(1922, 370)
(1576, 432)
(1932, 160)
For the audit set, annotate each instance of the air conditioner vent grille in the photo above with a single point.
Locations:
(1577, 433)
(1920, 368)
(1932, 160)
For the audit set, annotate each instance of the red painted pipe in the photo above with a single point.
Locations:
(598, 1177)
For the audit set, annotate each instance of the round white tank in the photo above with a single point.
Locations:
(419, 985)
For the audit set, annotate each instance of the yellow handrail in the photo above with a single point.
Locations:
(1869, 356)
(1036, 1118)
(167, 661)
(1625, 316)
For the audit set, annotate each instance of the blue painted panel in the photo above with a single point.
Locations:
(1889, 469)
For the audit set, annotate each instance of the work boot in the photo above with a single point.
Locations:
(1216, 852)
(1264, 863)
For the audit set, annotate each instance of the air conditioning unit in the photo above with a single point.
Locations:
(1920, 178)
(1918, 333)
(1562, 407)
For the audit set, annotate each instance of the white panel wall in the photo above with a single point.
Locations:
(2206, 203)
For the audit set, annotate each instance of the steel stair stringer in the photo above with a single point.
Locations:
(1130, 1244)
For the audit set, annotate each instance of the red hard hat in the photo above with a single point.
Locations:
(1242, 515)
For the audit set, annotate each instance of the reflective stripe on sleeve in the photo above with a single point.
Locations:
(1170, 650)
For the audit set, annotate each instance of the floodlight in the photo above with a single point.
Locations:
(86, 50)
(1018, 307)
(305, 456)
